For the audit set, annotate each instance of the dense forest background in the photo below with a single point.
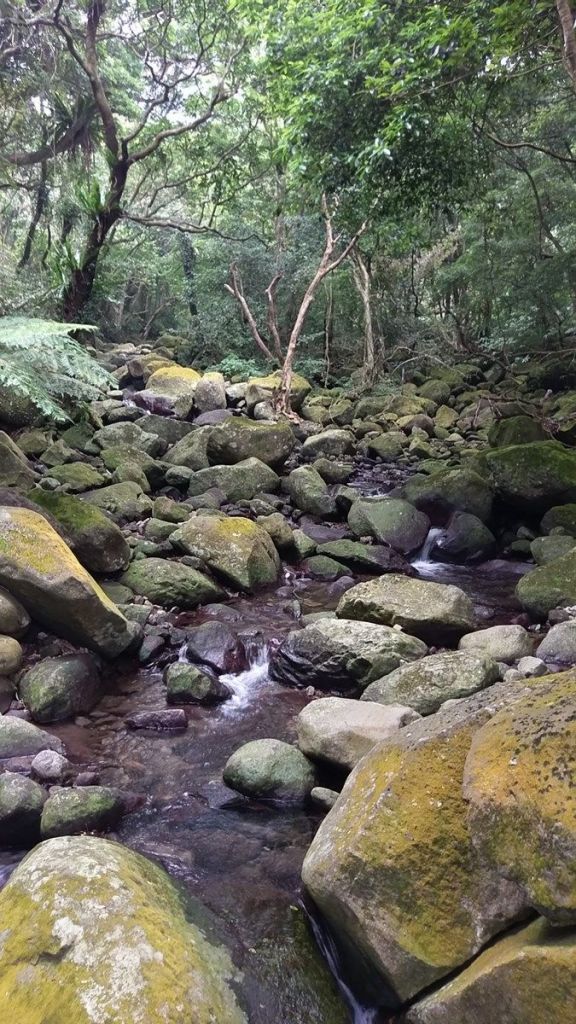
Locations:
(162, 162)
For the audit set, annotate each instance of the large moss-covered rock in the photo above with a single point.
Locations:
(426, 684)
(175, 386)
(389, 521)
(533, 477)
(15, 470)
(465, 539)
(309, 492)
(432, 611)
(263, 389)
(59, 688)
(239, 483)
(93, 932)
(550, 586)
(393, 868)
(241, 438)
(21, 802)
(129, 435)
(519, 783)
(191, 450)
(515, 430)
(336, 654)
(14, 619)
(16, 410)
(236, 549)
(39, 568)
(528, 977)
(77, 476)
(96, 541)
(365, 558)
(270, 769)
(170, 583)
(560, 515)
(340, 731)
(450, 490)
(83, 809)
(124, 501)
(130, 463)
(19, 738)
(501, 643)
(332, 442)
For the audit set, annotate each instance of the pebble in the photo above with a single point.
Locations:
(531, 667)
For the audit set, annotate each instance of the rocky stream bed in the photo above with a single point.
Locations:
(259, 578)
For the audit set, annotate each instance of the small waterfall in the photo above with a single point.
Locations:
(248, 683)
(423, 557)
(360, 1014)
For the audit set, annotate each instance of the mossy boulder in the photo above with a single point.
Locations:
(239, 483)
(335, 654)
(389, 521)
(501, 643)
(78, 476)
(187, 684)
(272, 770)
(515, 430)
(125, 501)
(550, 586)
(365, 558)
(432, 611)
(465, 539)
(19, 738)
(84, 809)
(450, 490)
(387, 447)
(40, 570)
(235, 549)
(533, 477)
(21, 802)
(14, 619)
(96, 541)
(393, 868)
(309, 492)
(426, 684)
(16, 410)
(549, 549)
(175, 386)
(530, 976)
(15, 470)
(191, 450)
(129, 435)
(59, 688)
(563, 516)
(331, 442)
(134, 464)
(210, 392)
(170, 583)
(241, 438)
(93, 931)
(11, 655)
(519, 784)
(263, 389)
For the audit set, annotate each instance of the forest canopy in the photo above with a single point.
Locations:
(165, 168)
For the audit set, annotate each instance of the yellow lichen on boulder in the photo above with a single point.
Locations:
(39, 569)
(93, 933)
(520, 780)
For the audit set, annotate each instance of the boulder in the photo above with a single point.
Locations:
(560, 516)
(235, 549)
(241, 438)
(21, 802)
(450, 490)
(559, 645)
(263, 389)
(239, 483)
(191, 450)
(125, 501)
(77, 477)
(216, 646)
(309, 491)
(11, 655)
(426, 684)
(279, 530)
(129, 463)
(434, 612)
(393, 869)
(38, 568)
(173, 388)
(389, 521)
(14, 619)
(337, 654)
(19, 738)
(210, 392)
(187, 684)
(170, 583)
(330, 442)
(340, 731)
(550, 586)
(365, 558)
(519, 786)
(15, 470)
(465, 539)
(501, 643)
(125, 951)
(58, 688)
(549, 549)
(529, 975)
(85, 809)
(533, 477)
(97, 542)
(270, 769)
(129, 435)
(515, 430)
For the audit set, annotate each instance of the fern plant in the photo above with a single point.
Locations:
(40, 363)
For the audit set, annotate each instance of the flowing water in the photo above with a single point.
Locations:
(242, 859)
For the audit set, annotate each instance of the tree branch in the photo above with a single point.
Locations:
(235, 289)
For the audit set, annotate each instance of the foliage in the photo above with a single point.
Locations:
(40, 363)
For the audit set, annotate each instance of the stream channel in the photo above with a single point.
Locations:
(240, 858)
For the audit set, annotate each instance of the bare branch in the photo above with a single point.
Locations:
(235, 289)
(273, 315)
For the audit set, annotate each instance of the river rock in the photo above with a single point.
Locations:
(529, 975)
(173, 388)
(450, 490)
(329, 442)
(365, 558)
(15, 470)
(49, 766)
(515, 430)
(187, 684)
(341, 731)
(124, 952)
(236, 549)
(270, 769)
(549, 549)
(465, 539)
(337, 654)
(78, 477)
(21, 802)
(389, 521)
(164, 720)
(393, 868)
(559, 645)
(264, 389)
(241, 438)
(533, 476)
(14, 619)
(426, 684)
(125, 501)
(191, 450)
(240, 482)
(97, 542)
(59, 688)
(19, 738)
(279, 530)
(86, 809)
(210, 394)
(38, 568)
(217, 646)
(550, 586)
(11, 655)
(434, 612)
(129, 435)
(520, 792)
(309, 492)
(170, 583)
(502, 643)
(563, 516)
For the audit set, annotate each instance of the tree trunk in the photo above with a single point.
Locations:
(566, 16)
(39, 207)
(363, 281)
